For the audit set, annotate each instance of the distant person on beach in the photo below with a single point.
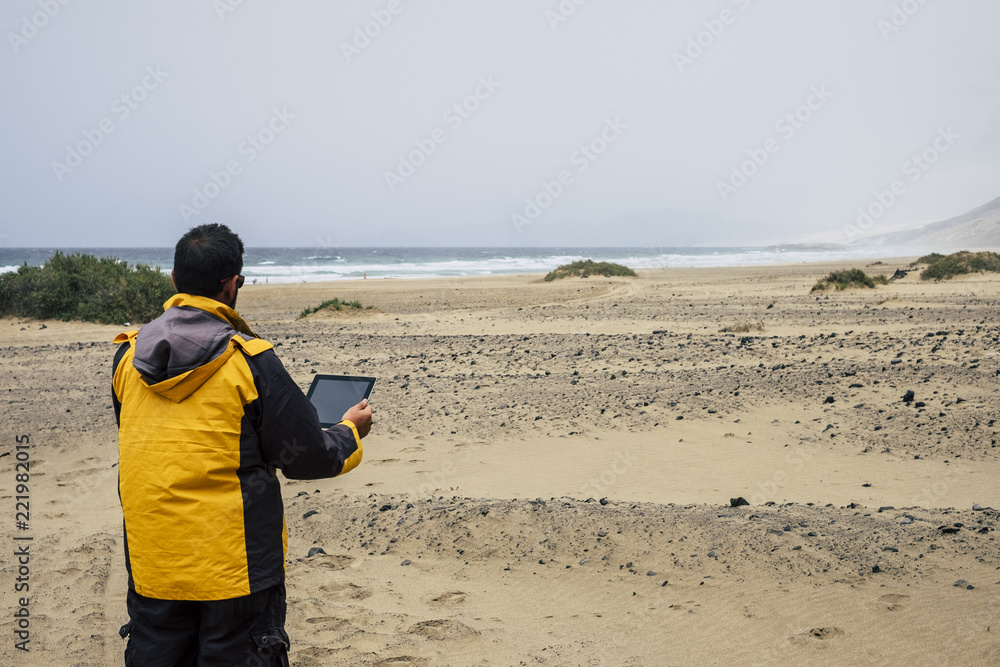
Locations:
(206, 415)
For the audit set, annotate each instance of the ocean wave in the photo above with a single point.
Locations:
(289, 265)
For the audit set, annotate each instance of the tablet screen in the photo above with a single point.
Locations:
(333, 395)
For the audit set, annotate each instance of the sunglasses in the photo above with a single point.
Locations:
(239, 281)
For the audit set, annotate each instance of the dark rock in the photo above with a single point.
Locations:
(876, 569)
(886, 508)
(738, 502)
(406, 562)
(908, 396)
(314, 551)
(309, 514)
(604, 501)
(829, 399)
(385, 508)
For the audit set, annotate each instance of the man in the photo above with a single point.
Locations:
(206, 413)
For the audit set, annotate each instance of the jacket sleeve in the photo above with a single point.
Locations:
(122, 349)
(291, 438)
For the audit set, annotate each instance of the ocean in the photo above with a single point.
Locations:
(317, 264)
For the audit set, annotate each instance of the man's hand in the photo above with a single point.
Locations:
(361, 416)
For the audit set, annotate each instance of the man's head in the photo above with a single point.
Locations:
(207, 262)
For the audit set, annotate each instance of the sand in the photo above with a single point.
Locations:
(549, 477)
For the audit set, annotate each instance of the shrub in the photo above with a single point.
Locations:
(335, 304)
(942, 267)
(928, 259)
(850, 278)
(588, 267)
(82, 287)
(745, 326)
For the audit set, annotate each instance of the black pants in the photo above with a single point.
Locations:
(247, 631)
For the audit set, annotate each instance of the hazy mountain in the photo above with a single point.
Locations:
(979, 228)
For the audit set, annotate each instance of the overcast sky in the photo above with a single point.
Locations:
(492, 122)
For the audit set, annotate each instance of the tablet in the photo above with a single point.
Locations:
(333, 395)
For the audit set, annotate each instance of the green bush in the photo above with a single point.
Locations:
(336, 304)
(82, 287)
(850, 278)
(942, 267)
(743, 326)
(928, 259)
(588, 267)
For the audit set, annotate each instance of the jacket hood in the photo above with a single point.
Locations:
(178, 351)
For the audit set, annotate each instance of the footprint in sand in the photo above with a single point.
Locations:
(401, 661)
(64, 478)
(450, 599)
(817, 635)
(345, 591)
(329, 562)
(329, 622)
(894, 601)
(442, 629)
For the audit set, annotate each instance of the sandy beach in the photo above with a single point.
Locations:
(549, 477)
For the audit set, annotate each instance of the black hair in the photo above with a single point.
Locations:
(204, 257)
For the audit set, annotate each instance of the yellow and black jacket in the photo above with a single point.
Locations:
(206, 414)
